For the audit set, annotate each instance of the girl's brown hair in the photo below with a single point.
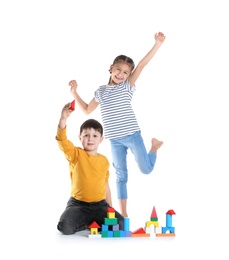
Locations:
(126, 59)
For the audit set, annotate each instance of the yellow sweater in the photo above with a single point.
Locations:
(89, 173)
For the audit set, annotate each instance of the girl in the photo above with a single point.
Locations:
(119, 120)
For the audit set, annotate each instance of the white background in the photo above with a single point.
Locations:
(181, 98)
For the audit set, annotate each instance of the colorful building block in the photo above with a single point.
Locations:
(72, 107)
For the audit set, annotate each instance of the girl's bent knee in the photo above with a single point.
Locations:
(146, 170)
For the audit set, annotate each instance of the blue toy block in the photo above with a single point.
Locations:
(104, 227)
(122, 233)
(170, 229)
(110, 233)
(126, 224)
(168, 220)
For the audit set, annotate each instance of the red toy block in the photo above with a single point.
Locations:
(73, 105)
(94, 225)
(154, 213)
(110, 209)
(170, 212)
(139, 231)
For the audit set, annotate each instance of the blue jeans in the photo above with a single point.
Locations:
(145, 161)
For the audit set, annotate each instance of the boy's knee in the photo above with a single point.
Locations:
(65, 229)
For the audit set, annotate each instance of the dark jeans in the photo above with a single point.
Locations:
(78, 215)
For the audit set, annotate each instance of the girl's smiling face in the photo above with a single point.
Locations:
(119, 72)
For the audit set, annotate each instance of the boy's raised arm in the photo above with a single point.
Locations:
(65, 113)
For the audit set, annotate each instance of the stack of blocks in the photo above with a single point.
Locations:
(153, 222)
(168, 230)
(110, 228)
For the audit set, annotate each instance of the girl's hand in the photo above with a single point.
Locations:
(160, 37)
(73, 84)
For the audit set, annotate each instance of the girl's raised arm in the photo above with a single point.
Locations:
(86, 108)
(159, 39)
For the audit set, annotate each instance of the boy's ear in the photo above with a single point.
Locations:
(101, 139)
(79, 136)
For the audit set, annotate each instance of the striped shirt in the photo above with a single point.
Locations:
(117, 114)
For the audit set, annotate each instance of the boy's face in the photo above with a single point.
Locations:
(90, 139)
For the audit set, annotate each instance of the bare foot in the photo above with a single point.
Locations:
(156, 144)
(125, 215)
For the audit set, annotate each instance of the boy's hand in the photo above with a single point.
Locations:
(73, 84)
(66, 111)
(159, 37)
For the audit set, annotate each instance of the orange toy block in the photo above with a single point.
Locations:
(141, 235)
(165, 235)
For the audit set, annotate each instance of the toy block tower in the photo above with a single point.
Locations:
(110, 228)
(153, 221)
(168, 227)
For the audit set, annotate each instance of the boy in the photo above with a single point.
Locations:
(89, 172)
